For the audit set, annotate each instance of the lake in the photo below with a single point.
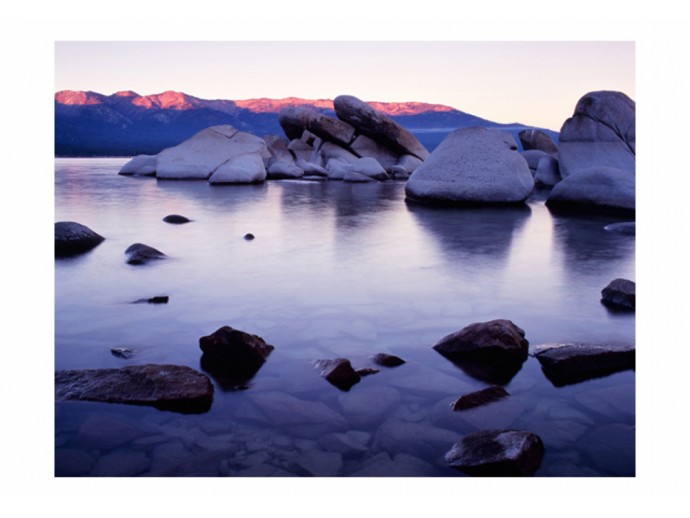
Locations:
(337, 270)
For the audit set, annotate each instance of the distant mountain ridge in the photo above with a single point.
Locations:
(125, 123)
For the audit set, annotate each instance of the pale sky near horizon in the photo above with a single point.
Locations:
(535, 83)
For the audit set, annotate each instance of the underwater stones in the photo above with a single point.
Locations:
(176, 219)
(122, 352)
(139, 253)
(166, 387)
(497, 453)
(565, 364)
(418, 439)
(368, 406)
(619, 294)
(73, 238)
(233, 356)
(338, 372)
(494, 340)
(479, 398)
(459, 171)
(378, 126)
(387, 360)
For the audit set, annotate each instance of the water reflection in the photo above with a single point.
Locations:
(480, 233)
(587, 248)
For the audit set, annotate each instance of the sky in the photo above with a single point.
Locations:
(535, 83)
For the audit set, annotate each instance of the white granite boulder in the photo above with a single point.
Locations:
(600, 133)
(246, 168)
(369, 121)
(283, 169)
(606, 188)
(337, 168)
(547, 172)
(200, 156)
(140, 165)
(473, 166)
(364, 146)
(532, 157)
(370, 167)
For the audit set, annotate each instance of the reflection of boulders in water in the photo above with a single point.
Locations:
(233, 357)
(586, 246)
(491, 351)
(619, 294)
(566, 364)
(485, 231)
(497, 453)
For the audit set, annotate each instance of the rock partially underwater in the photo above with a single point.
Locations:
(73, 238)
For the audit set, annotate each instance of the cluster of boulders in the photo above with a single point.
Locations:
(593, 165)
(360, 145)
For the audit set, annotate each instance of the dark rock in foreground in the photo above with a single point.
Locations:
(338, 372)
(565, 364)
(139, 253)
(479, 398)
(497, 453)
(366, 371)
(249, 236)
(158, 299)
(74, 238)
(494, 340)
(166, 387)
(176, 219)
(233, 356)
(387, 360)
(620, 293)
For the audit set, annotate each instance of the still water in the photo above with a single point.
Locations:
(336, 270)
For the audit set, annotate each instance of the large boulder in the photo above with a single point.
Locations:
(370, 167)
(140, 165)
(537, 139)
(601, 133)
(73, 238)
(497, 340)
(199, 156)
(246, 168)
(602, 188)
(509, 453)
(295, 119)
(565, 364)
(473, 166)
(233, 356)
(378, 126)
(364, 146)
(167, 387)
(547, 172)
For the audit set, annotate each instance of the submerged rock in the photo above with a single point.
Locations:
(233, 356)
(626, 227)
(479, 398)
(565, 364)
(338, 372)
(499, 453)
(122, 352)
(620, 294)
(73, 238)
(387, 360)
(139, 253)
(472, 166)
(158, 299)
(249, 236)
(166, 387)
(176, 219)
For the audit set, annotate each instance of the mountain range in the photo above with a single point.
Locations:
(126, 123)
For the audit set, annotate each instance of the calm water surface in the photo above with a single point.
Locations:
(336, 270)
